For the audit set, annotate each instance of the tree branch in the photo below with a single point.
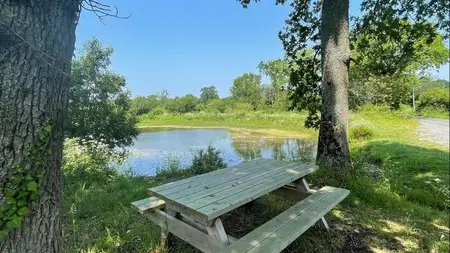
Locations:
(102, 10)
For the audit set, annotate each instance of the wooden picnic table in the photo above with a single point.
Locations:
(191, 208)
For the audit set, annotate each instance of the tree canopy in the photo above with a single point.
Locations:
(207, 94)
(247, 87)
(98, 101)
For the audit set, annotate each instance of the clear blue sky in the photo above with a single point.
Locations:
(183, 45)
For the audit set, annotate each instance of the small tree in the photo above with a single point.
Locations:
(99, 105)
(208, 94)
(247, 88)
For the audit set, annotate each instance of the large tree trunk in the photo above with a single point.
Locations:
(333, 150)
(36, 47)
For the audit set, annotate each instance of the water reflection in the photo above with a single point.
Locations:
(154, 149)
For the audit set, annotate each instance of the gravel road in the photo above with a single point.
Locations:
(435, 130)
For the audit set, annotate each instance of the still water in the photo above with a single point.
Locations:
(161, 146)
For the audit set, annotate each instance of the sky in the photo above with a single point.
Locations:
(181, 45)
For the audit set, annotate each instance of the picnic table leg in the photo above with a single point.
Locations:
(303, 186)
(165, 232)
(216, 230)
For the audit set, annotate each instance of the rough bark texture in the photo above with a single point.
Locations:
(333, 150)
(36, 47)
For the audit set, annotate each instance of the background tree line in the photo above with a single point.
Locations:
(376, 79)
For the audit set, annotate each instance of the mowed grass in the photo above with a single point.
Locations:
(399, 200)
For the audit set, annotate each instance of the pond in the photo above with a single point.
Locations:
(161, 146)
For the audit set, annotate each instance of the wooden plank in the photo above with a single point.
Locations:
(205, 184)
(217, 231)
(279, 232)
(302, 186)
(289, 193)
(263, 175)
(284, 174)
(239, 167)
(239, 198)
(165, 232)
(185, 232)
(193, 214)
(202, 227)
(148, 204)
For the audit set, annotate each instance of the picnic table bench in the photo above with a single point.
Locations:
(191, 208)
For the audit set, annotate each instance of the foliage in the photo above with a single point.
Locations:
(141, 105)
(158, 111)
(361, 131)
(203, 161)
(275, 93)
(247, 88)
(380, 90)
(96, 203)
(84, 158)
(435, 97)
(98, 102)
(207, 160)
(21, 186)
(184, 104)
(403, 28)
(208, 94)
(387, 70)
(217, 106)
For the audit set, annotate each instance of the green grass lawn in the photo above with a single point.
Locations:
(399, 200)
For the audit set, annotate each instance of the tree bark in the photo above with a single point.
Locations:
(36, 47)
(333, 150)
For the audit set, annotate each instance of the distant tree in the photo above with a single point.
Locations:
(141, 105)
(380, 78)
(99, 105)
(275, 93)
(247, 88)
(208, 94)
(184, 104)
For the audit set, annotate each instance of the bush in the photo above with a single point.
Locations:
(204, 160)
(207, 160)
(158, 111)
(84, 159)
(435, 97)
(361, 131)
(216, 106)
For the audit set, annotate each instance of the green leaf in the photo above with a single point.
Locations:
(15, 222)
(8, 192)
(3, 234)
(23, 211)
(10, 201)
(48, 128)
(32, 186)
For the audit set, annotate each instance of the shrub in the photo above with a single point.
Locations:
(158, 111)
(435, 97)
(216, 106)
(90, 159)
(206, 160)
(361, 131)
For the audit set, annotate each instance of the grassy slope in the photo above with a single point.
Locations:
(403, 210)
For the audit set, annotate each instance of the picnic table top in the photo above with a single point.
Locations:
(208, 196)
